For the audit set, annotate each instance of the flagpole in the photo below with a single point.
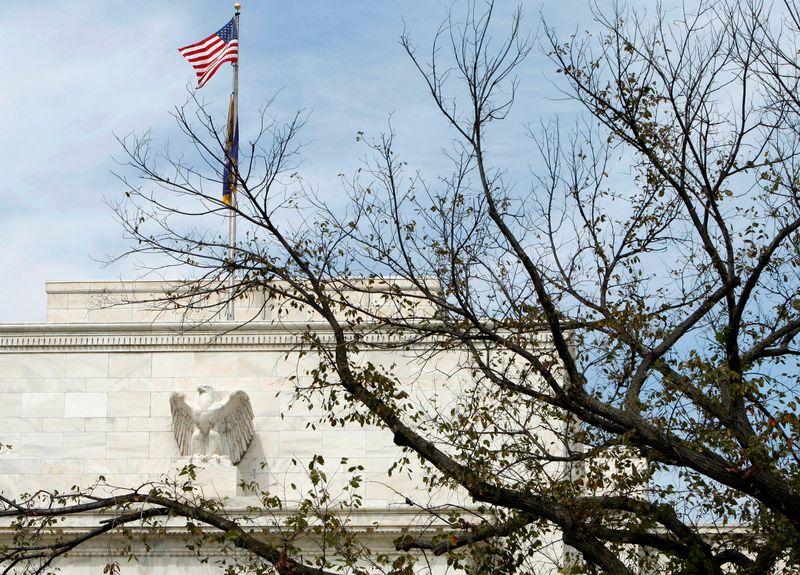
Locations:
(235, 174)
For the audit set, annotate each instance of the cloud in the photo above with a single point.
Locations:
(77, 73)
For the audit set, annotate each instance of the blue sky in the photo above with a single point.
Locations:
(76, 74)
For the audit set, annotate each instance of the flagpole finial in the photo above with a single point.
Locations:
(237, 6)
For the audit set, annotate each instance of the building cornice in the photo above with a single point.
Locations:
(382, 525)
(162, 336)
(143, 337)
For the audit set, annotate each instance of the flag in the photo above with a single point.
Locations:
(232, 153)
(208, 55)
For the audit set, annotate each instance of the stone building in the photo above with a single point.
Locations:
(87, 394)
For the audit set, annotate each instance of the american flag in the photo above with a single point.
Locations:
(208, 55)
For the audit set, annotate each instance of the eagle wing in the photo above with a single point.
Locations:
(182, 422)
(234, 422)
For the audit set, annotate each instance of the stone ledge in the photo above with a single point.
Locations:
(390, 519)
(135, 337)
(44, 343)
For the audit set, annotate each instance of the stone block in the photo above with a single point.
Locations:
(297, 423)
(107, 384)
(263, 445)
(129, 404)
(150, 465)
(11, 365)
(85, 404)
(136, 479)
(87, 365)
(116, 424)
(252, 384)
(40, 445)
(147, 315)
(45, 385)
(263, 481)
(62, 466)
(287, 423)
(150, 383)
(338, 443)
(86, 445)
(257, 363)
(130, 365)
(301, 444)
(150, 423)
(12, 452)
(104, 466)
(159, 404)
(63, 384)
(214, 480)
(286, 403)
(189, 383)
(44, 365)
(339, 485)
(64, 482)
(14, 385)
(10, 405)
(81, 301)
(127, 445)
(381, 490)
(173, 364)
(57, 300)
(22, 424)
(280, 466)
(65, 316)
(63, 424)
(20, 466)
(42, 405)
(12, 485)
(287, 480)
(163, 445)
(215, 364)
(110, 314)
(381, 444)
(265, 403)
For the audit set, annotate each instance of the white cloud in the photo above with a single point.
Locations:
(76, 73)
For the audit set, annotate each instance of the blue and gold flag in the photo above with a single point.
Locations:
(232, 153)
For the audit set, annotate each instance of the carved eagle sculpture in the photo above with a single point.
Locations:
(212, 429)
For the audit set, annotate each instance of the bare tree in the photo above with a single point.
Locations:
(641, 301)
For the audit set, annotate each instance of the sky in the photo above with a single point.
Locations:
(77, 75)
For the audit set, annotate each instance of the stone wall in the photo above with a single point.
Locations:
(87, 395)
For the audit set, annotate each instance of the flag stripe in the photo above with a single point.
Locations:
(203, 53)
(209, 71)
(199, 46)
(211, 59)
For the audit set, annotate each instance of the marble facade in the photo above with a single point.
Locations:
(88, 394)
